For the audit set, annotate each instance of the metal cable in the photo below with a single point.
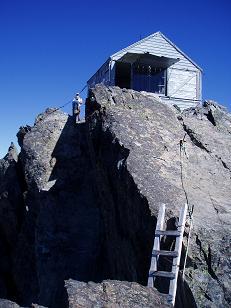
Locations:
(56, 109)
(190, 211)
(181, 168)
(188, 239)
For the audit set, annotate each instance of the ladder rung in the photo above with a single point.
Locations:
(167, 232)
(164, 253)
(162, 274)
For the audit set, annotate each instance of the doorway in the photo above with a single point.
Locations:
(123, 75)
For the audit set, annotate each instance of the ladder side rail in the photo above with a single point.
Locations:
(156, 245)
(176, 261)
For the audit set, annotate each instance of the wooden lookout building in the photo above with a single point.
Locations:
(154, 64)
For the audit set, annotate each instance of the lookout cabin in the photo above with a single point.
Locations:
(154, 64)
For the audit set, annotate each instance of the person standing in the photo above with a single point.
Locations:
(76, 105)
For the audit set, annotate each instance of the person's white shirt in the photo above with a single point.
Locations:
(78, 99)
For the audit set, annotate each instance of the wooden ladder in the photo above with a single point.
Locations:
(156, 252)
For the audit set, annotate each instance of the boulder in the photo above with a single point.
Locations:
(113, 294)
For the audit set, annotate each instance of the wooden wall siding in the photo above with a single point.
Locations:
(182, 84)
(158, 46)
(183, 104)
(101, 76)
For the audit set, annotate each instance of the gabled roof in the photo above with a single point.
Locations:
(150, 36)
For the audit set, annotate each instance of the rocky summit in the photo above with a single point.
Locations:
(79, 204)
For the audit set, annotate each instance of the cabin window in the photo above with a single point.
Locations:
(123, 75)
(141, 77)
(148, 78)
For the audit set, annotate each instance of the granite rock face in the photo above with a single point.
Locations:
(80, 202)
(11, 204)
(8, 304)
(61, 232)
(113, 294)
(173, 158)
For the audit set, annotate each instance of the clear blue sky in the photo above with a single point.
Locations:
(50, 48)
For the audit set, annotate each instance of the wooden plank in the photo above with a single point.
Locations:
(167, 233)
(156, 245)
(176, 261)
(163, 274)
(157, 46)
(165, 253)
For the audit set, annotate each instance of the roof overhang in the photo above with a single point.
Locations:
(147, 59)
